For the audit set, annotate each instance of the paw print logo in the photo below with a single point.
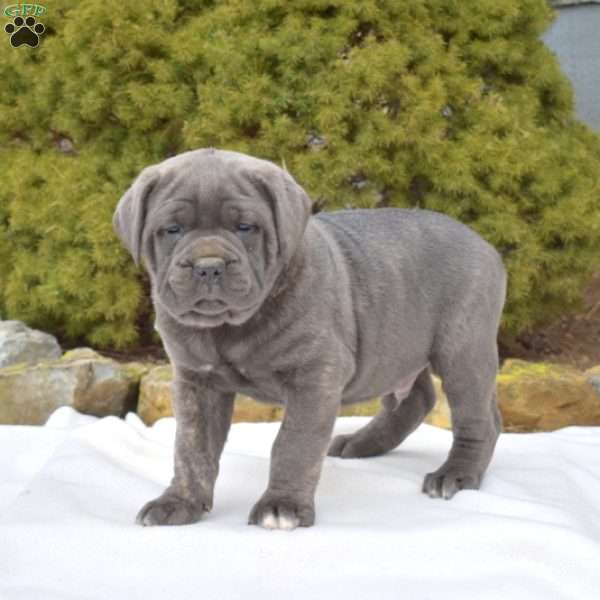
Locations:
(24, 31)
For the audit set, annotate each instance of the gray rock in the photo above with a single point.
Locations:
(82, 379)
(20, 344)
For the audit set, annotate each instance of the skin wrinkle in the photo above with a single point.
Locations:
(337, 308)
(234, 275)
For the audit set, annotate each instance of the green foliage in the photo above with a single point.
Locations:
(451, 105)
(66, 272)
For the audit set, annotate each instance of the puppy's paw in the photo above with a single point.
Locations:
(273, 512)
(170, 510)
(445, 482)
(341, 447)
(354, 446)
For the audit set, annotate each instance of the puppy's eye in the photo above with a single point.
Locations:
(245, 227)
(173, 229)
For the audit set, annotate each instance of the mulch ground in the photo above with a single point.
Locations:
(572, 340)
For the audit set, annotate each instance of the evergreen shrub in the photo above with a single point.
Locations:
(452, 105)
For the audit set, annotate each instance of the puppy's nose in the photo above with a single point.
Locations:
(209, 269)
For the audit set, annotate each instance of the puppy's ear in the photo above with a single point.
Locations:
(130, 214)
(290, 205)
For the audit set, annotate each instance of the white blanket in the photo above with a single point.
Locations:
(69, 493)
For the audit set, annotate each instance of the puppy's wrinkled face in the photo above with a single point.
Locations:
(212, 232)
(209, 244)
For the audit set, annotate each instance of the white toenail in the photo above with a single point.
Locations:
(269, 521)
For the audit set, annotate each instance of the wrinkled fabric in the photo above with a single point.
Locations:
(69, 493)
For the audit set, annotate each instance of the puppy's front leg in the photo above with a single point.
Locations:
(203, 418)
(296, 460)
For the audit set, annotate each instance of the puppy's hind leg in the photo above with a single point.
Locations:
(392, 424)
(469, 381)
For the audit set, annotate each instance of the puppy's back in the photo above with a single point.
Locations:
(424, 254)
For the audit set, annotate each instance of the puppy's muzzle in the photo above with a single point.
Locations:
(207, 271)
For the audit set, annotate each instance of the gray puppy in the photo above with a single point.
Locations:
(253, 295)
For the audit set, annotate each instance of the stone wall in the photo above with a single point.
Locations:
(37, 378)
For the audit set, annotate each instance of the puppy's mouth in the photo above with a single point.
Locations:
(209, 307)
